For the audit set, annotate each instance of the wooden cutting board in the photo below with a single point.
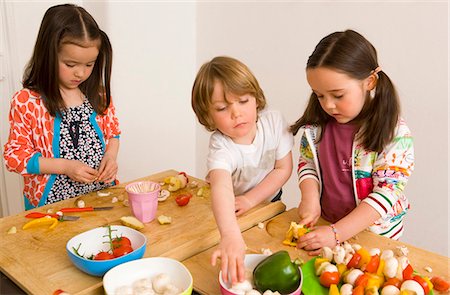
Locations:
(36, 259)
(271, 237)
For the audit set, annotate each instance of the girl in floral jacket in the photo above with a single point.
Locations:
(64, 134)
(356, 153)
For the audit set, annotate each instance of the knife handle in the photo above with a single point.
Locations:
(39, 215)
(69, 210)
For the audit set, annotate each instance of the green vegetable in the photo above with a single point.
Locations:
(277, 273)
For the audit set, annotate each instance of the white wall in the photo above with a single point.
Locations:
(159, 46)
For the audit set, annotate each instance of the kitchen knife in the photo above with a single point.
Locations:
(84, 209)
(59, 217)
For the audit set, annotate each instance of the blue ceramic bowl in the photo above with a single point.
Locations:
(95, 240)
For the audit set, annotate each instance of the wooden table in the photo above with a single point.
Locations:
(271, 237)
(36, 259)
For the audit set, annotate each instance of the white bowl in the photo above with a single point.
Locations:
(92, 241)
(128, 273)
(250, 262)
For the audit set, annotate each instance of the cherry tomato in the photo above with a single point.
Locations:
(122, 250)
(422, 283)
(327, 278)
(408, 272)
(440, 284)
(373, 264)
(394, 282)
(354, 261)
(102, 255)
(183, 200)
(120, 241)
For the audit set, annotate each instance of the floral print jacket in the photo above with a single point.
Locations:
(378, 178)
(34, 133)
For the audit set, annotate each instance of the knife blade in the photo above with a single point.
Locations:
(84, 209)
(59, 217)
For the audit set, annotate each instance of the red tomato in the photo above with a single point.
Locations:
(183, 200)
(422, 283)
(122, 250)
(362, 280)
(408, 272)
(373, 264)
(440, 284)
(102, 255)
(120, 241)
(327, 278)
(394, 282)
(354, 261)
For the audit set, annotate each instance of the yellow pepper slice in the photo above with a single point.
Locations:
(41, 221)
(294, 232)
(365, 257)
(333, 290)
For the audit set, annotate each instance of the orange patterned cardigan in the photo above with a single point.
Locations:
(35, 133)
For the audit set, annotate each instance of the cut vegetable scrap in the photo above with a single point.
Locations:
(294, 232)
(103, 194)
(163, 219)
(203, 191)
(12, 230)
(80, 203)
(163, 195)
(176, 182)
(132, 222)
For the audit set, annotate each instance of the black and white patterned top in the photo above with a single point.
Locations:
(78, 141)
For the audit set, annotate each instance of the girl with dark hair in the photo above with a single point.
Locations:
(64, 134)
(356, 153)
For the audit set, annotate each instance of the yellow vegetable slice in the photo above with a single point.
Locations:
(163, 219)
(41, 221)
(132, 222)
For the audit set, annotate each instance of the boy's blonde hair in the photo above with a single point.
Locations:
(235, 77)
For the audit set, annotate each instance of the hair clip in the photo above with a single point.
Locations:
(376, 71)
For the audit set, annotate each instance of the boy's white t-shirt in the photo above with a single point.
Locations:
(249, 164)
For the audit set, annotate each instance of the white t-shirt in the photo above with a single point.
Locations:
(249, 164)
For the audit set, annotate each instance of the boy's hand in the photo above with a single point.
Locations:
(80, 172)
(231, 251)
(242, 204)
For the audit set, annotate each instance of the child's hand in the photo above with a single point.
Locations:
(80, 172)
(319, 237)
(231, 251)
(242, 205)
(309, 211)
(108, 169)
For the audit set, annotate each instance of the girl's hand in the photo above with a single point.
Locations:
(80, 172)
(242, 204)
(108, 169)
(309, 211)
(231, 251)
(319, 237)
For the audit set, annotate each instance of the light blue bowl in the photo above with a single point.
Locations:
(92, 241)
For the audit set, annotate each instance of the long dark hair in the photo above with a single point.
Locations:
(350, 53)
(71, 23)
